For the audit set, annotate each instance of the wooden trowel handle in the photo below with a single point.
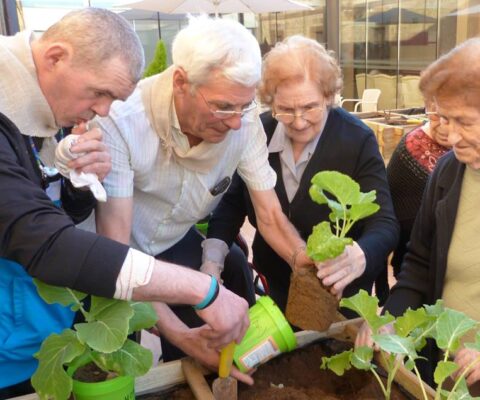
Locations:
(196, 381)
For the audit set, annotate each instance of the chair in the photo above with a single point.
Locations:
(411, 95)
(388, 86)
(368, 102)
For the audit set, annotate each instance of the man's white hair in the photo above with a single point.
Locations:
(213, 44)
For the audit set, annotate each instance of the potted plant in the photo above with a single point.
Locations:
(101, 342)
(444, 325)
(311, 306)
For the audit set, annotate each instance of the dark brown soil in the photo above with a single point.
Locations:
(310, 305)
(90, 373)
(297, 376)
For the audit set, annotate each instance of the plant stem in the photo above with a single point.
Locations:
(420, 381)
(462, 375)
(380, 382)
(79, 304)
(391, 375)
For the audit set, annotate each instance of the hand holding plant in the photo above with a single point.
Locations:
(310, 304)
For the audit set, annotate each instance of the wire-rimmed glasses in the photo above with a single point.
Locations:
(225, 114)
(311, 115)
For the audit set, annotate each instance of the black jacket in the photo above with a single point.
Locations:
(422, 275)
(346, 145)
(41, 237)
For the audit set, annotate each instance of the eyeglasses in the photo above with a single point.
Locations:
(444, 120)
(225, 114)
(311, 115)
(432, 115)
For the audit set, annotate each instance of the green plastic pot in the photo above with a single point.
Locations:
(119, 388)
(269, 334)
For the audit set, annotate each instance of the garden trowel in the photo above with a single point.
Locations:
(225, 387)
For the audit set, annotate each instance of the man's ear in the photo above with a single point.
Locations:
(55, 53)
(180, 81)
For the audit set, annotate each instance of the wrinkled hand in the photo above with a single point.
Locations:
(212, 268)
(93, 153)
(227, 318)
(364, 335)
(194, 344)
(342, 270)
(464, 358)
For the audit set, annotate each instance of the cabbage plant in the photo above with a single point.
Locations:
(101, 339)
(347, 204)
(412, 329)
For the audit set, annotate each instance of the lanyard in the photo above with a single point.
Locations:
(47, 172)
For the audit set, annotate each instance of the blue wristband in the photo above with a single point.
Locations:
(211, 295)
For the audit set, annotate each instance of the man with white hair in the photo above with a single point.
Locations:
(175, 145)
(72, 73)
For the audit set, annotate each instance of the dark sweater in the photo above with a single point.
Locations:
(41, 237)
(346, 145)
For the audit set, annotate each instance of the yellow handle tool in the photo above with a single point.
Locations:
(225, 387)
(226, 359)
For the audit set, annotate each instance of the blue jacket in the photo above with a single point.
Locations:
(25, 321)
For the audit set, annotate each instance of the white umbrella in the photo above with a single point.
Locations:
(215, 6)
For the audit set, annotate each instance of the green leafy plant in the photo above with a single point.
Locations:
(347, 204)
(412, 329)
(101, 339)
(159, 61)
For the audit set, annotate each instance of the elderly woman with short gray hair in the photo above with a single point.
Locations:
(307, 134)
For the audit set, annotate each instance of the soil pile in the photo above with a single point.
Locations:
(297, 376)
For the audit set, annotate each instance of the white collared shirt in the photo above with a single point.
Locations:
(167, 197)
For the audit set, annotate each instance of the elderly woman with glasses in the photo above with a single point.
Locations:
(307, 134)
(408, 170)
(443, 255)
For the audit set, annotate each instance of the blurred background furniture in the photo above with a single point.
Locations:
(368, 102)
(410, 93)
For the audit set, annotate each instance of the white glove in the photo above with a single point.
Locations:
(342, 270)
(213, 257)
(79, 179)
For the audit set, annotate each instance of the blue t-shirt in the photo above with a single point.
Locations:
(25, 321)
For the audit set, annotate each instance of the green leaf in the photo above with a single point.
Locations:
(341, 186)
(436, 309)
(323, 245)
(339, 363)
(443, 370)
(110, 328)
(411, 320)
(451, 326)
(409, 364)
(362, 358)
(144, 316)
(395, 344)
(132, 359)
(367, 306)
(61, 295)
(359, 211)
(50, 379)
